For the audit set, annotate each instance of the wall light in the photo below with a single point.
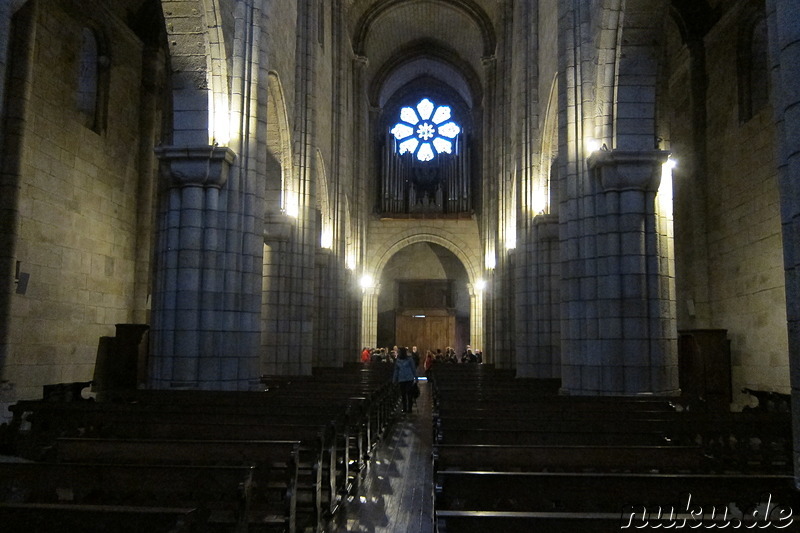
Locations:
(490, 260)
(480, 284)
(350, 261)
(592, 145)
(366, 281)
(326, 238)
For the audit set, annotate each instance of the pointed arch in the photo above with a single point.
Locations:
(281, 193)
(323, 204)
(199, 61)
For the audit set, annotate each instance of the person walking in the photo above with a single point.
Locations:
(405, 375)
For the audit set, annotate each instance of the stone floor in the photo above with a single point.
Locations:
(396, 490)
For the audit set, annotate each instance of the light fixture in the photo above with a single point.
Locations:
(366, 281)
(592, 145)
(480, 284)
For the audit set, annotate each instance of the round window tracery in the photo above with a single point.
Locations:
(425, 130)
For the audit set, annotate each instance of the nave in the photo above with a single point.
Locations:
(482, 451)
(396, 491)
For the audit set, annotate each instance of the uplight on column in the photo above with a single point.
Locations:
(490, 261)
(592, 145)
(366, 282)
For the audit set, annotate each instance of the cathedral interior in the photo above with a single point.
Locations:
(598, 193)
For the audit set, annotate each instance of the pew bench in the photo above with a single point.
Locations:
(604, 492)
(561, 458)
(277, 461)
(18, 517)
(589, 522)
(224, 497)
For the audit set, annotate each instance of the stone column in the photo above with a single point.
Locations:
(476, 337)
(369, 316)
(538, 301)
(630, 346)
(783, 17)
(193, 323)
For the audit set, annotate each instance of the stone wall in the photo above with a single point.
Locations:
(77, 209)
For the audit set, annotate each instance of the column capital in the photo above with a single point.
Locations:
(546, 227)
(624, 170)
(196, 166)
(360, 61)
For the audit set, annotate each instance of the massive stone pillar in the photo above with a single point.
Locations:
(627, 342)
(476, 336)
(369, 316)
(538, 301)
(784, 32)
(201, 323)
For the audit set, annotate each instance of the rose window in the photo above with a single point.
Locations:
(425, 130)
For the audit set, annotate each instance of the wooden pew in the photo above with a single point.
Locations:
(737, 441)
(125, 420)
(276, 460)
(595, 522)
(18, 517)
(223, 496)
(321, 472)
(604, 492)
(561, 458)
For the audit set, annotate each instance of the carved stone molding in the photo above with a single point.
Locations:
(196, 166)
(623, 170)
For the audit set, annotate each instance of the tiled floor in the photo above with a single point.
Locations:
(396, 491)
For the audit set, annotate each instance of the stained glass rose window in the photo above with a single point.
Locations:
(425, 130)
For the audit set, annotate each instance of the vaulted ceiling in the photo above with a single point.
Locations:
(404, 40)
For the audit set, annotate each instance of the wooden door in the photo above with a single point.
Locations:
(426, 333)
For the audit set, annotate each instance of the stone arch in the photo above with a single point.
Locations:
(451, 243)
(199, 62)
(323, 204)
(607, 41)
(470, 8)
(636, 71)
(378, 256)
(542, 199)
(91, 99)
(753, 62)
(281, 190)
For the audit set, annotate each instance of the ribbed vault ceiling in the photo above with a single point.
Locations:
(407, 39)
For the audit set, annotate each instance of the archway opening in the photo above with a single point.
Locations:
(424, 300)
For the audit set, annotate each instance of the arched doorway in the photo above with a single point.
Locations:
(424, 299)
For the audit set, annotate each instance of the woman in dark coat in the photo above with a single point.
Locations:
(405, 375)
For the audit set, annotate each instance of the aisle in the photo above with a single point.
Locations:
(396, 492)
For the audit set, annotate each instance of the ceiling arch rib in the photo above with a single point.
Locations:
(423, 60)
(443, 39)
(424, 9)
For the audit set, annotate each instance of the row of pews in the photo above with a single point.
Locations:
(277, 460)
(513, 455)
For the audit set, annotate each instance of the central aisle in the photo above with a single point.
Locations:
(396, 490)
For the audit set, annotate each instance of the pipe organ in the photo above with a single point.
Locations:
(439, 186)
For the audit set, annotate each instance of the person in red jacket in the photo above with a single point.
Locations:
(366, 354)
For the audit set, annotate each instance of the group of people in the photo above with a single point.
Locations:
(390, 355)
(407, 364)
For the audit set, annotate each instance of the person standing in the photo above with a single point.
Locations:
(428, 364)
(405, 375)
(415, 355)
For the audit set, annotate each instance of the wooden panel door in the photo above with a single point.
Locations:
(428, 333)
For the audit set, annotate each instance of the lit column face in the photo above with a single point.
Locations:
(490, 261)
